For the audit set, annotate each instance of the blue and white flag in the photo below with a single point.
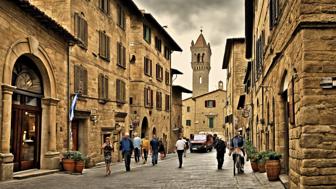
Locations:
(72, 107)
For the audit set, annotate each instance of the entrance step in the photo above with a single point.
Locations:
(284, 180)
(33, 173)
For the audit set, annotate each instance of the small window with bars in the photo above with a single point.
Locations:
(188, 122)
(210, 103)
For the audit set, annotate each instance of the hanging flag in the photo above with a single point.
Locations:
(72, 107)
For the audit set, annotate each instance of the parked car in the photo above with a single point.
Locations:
(201, 142)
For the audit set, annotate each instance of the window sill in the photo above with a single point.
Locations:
(148, 75)
(102, 101)
(105, 59)
(121, 66)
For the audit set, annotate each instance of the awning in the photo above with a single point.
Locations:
(241, 102)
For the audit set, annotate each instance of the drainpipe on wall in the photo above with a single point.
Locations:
(68, 95)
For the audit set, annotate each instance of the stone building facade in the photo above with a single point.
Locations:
(33, 67)
(151, 47)
(104, 69)
(235, 64)
(204, 113)
(291, 45)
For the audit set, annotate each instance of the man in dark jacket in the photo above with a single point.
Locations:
(126, 147)
(220, 146)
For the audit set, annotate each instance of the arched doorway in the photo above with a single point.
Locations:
(285, 118)
(25, 137)
(144, 127)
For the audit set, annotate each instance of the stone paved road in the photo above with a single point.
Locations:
(199, 171)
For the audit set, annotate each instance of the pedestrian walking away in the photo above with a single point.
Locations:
(137, 147)
(126, 147)
(154, 143)
(187, 146)
(162, 150)
(145, 149)
(180, 147)
(220, 146)
(108, 149)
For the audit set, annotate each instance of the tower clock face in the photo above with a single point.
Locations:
(24, 81)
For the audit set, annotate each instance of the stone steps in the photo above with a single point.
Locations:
(33, 173)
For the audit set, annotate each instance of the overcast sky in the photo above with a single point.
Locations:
(220, 19)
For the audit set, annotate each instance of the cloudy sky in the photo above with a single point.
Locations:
(220, 19)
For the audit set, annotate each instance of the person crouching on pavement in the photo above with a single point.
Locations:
(137, 147)
(108, 149)
(154, 143)
(220, 146)
(145, 149)
(180, 147)
(126, 147)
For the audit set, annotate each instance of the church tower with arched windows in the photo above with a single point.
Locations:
(200, 63)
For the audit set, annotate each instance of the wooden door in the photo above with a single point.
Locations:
(74, 131)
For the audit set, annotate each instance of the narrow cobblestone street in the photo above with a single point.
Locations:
(199, 171)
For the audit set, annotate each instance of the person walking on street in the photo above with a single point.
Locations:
(220, 146)
(137, 147)
(180, 147)
(126, 147)
(145, 149)
(108, 149)
(154, 143)
(187, 146)
(162, 150)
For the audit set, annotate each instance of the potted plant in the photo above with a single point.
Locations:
(79, 162)
(273, 166)
(252, 155)
(261, 161)
(68, 161)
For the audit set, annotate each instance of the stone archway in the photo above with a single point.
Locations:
(49, 157)
(144, 127)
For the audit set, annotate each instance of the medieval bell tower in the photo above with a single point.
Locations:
(200, 63)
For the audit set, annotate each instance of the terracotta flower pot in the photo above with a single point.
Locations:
(254, 166)
(79, 167)
(273, 168)
(261, 167)
(69, 165)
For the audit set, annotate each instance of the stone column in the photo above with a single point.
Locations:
(51, 156)
(6, 158)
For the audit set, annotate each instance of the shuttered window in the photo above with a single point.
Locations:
(148, 97)
(121, 91)
(103, 87)
(167, 103)
(210, 103)
(121, 55)
(148, 66)
(104, 6)
(121, 17)
(167, 77)
(259, 55)
(104, 46)
(158, 44)
(274, 12)
(81, 29)
(159, 72)
(158, 100)
(167, 53)
(147, 33)
(81, 80)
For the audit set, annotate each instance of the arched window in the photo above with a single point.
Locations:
(203, 57)
(198, 57)
(200, 80)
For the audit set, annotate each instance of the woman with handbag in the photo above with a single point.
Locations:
(108, 149)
